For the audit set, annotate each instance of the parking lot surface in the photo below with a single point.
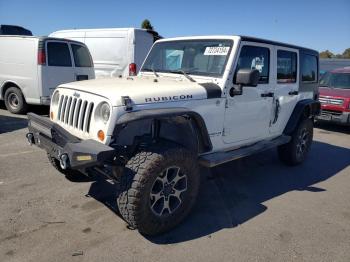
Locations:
(253, 209)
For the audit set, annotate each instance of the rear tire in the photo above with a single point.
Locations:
(296, 150)
(158, 188)
(14, 101)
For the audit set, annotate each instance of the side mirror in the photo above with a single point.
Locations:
(245, 77)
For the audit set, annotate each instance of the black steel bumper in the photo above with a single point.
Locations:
(71, 151)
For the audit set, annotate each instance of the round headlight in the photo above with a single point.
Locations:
(55, 98)
(105, 112)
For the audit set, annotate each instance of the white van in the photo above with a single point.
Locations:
(32, 67)
(115, 51)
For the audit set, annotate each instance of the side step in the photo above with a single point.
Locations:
(219, 158)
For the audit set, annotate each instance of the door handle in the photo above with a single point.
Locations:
(269, 94)
(293, 93)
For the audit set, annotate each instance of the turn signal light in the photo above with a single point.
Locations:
(51, 115)
(132, 69)
(101, 135)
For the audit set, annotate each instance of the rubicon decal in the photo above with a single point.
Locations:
(167, 98)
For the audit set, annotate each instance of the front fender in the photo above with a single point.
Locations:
(199, 122)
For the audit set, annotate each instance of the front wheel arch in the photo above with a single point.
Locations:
(176, 116)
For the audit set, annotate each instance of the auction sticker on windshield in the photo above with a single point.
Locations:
(216, 50)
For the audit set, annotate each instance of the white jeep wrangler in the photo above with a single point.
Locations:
(196, 101)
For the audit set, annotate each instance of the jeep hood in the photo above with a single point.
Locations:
(335, 92)
(145, 89)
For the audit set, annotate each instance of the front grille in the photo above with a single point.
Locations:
(331, 101)
(330, 112)
(75, 112)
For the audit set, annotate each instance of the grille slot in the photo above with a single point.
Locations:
(75, 112)
(330, 112)
(331, 101)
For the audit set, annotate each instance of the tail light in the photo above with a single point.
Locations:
(41, 57)
(132, 69)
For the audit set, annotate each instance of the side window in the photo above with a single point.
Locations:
(286, 67)
(58, 54)
(254, 57)
(308, 68)
(81, 56)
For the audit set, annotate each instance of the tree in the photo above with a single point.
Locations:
(326, 54)
(146, 24)
(346, 53)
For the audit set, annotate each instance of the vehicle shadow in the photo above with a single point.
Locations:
(329, 127)
(37, 109)
(11, 122)
(235, 192)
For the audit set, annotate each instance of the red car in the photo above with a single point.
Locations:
(335, 96)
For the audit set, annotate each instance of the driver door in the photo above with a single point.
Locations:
(247, 116)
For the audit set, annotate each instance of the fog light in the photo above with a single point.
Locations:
(64, 161)
(30, 138)
(101, 135)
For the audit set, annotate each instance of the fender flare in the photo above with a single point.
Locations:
(9, 82)
(170, 112)
(304, 108)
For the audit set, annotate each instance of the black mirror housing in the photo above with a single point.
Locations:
(247, 77)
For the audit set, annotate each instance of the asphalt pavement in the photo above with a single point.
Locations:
(253, 209)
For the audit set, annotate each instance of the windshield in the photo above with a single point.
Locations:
(196, 57)
(336, 80)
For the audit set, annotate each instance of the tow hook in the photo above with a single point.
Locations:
(64, 161)
(30, 138)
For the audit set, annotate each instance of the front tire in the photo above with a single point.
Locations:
(296, 150)
(14, 101)
(158, 188)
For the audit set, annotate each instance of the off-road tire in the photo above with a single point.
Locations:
(14, 101)
(136, 183)
(288, 153)
(56, 164)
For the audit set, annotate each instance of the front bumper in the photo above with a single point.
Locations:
(342, 118)
(71, 151)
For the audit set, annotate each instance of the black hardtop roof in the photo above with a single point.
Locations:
(265, 41)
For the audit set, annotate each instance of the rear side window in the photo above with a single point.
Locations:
(58, 54)
(81, 56)
(254, 57)
(308, 68)
(286, 67)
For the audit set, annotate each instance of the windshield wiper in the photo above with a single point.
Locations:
(184, 73)
(150, 70)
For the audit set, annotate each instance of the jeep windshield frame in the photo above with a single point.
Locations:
(198, 57)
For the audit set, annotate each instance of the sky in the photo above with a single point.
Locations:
(315, 24)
